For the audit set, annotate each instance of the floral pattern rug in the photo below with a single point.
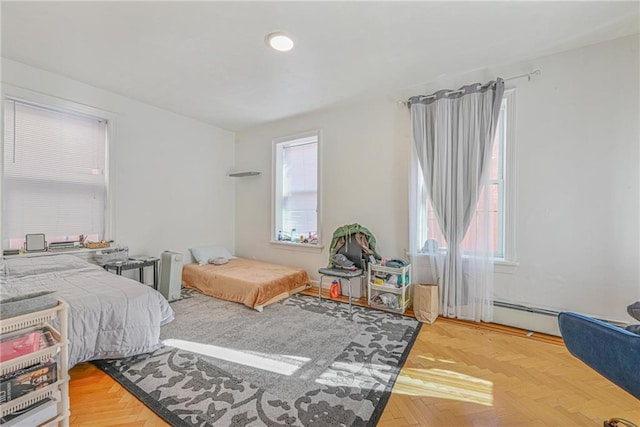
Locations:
(187, 389)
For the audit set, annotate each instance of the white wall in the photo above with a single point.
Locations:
(364, 180)
(168, 171)
(577, 181)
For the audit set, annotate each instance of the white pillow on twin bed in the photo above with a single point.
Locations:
(203, 254)
(220, 260)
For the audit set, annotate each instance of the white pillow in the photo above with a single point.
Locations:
(218, 260)
(202, 254)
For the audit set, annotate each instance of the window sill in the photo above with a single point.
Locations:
(53, 252)
(500, 266)
(504, 267)
(292, 246)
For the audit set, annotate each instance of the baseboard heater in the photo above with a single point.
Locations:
(524, 317)
(525, 308)
(532, 318)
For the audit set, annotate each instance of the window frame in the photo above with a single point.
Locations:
(276, 191)
(10, 92)
(509, 188)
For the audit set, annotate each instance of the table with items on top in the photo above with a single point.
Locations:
(136, 263)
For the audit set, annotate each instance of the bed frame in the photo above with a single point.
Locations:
(253, 283)
(282, 296)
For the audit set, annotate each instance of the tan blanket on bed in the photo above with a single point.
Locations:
(249, 282)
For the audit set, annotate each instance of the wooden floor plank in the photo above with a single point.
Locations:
(457, 374)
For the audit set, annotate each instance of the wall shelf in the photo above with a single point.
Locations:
(243, 174)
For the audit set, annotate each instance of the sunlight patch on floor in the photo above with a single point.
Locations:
(341, 374)
(433, 359)
(444, 384)
(279, 363)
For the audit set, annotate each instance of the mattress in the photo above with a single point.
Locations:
(110, 316)
(250, 282)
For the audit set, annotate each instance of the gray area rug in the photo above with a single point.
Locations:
(298, 363)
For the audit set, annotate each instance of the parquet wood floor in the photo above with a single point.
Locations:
(457, 374)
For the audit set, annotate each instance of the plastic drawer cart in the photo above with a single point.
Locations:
(389, 288)
(53, 355)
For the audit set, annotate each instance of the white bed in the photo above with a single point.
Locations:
(110, 316)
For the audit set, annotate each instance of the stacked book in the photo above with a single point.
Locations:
(20, 382)
(23, 381)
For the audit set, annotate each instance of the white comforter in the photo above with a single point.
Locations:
(110, 316)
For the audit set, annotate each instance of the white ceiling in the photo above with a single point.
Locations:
(208, 60)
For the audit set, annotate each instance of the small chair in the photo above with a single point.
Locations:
(351, 250)
(341, 274)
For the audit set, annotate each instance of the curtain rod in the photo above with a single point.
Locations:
(536, 72)
(527, 75)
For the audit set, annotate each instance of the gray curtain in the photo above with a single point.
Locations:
(453, 132)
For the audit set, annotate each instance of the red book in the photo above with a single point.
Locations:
(19, 345)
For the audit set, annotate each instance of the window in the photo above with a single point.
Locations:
(500, 186)
(296, 195)
(54, 178)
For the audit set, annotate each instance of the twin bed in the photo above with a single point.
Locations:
(252, 283)
(111, 316)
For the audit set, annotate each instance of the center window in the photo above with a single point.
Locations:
(426, 230)
(296, 192)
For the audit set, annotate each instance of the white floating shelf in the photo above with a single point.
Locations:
(243, 174)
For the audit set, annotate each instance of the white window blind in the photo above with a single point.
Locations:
(300, 188)
(54, 174)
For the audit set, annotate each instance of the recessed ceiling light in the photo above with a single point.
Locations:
(279, 41)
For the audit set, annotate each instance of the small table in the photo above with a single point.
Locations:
(136, 263)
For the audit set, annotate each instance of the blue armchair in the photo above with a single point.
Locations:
(611, 351)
